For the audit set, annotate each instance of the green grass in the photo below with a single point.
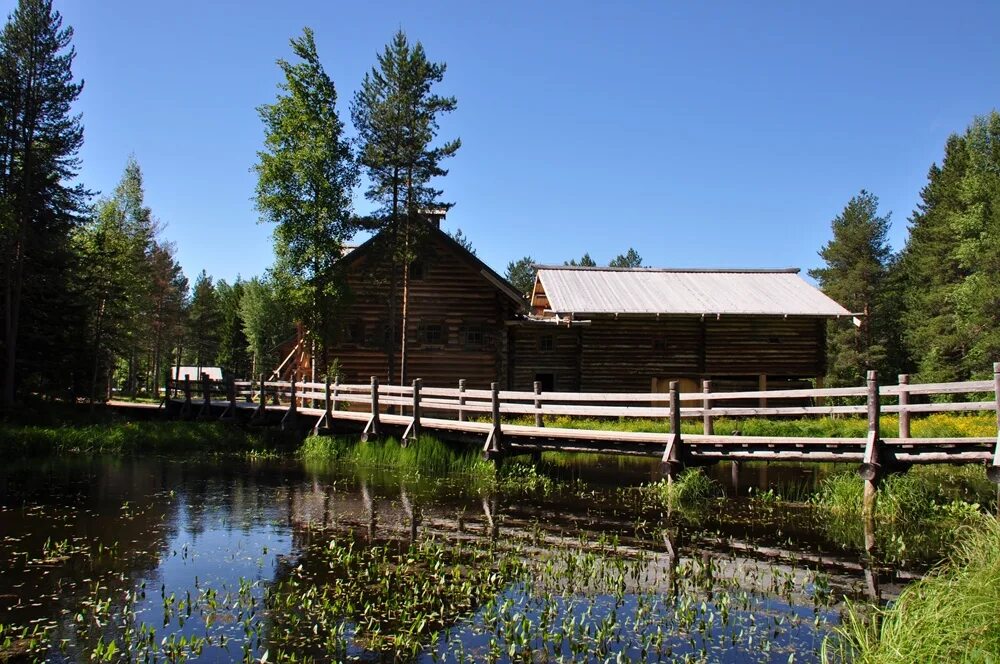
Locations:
(918, 514)
(913, 496)
(129, 438)
(425, 455)
(932, 426)
(952, 615)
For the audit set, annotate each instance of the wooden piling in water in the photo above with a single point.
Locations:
(671, 460)
(871, 467)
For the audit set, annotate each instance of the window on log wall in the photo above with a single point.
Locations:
(431, 334)
(473, 336)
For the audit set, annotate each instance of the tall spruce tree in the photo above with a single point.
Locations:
(396, 114)
(306, 174)
(929, 270)
(233, 354)
(39, 142)
(951, 263)
(857, 262)
(204, 323)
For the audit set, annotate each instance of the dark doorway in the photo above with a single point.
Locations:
(547, 380)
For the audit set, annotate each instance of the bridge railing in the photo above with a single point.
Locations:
(496, 408)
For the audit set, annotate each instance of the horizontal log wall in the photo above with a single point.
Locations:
(765, 345)
(452, 294)
(533, 355)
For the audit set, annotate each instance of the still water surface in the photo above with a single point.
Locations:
(173, 551)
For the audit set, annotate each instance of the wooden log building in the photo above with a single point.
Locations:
(583, 329)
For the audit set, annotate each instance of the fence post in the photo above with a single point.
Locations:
(461, 399)
(262, 408)
(493, 448)
(291, 415)
(904, 401)
(336, 390)
(206, 394)
(538, 405)
(993, 472)
(416, 409)
(186, 408)
(671, 460)
(374, 426)
(706, 408)
(871, 466)
(325, 420)
(230, 412)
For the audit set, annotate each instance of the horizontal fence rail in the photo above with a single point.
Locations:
(482, 412)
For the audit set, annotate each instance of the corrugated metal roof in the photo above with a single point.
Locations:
(692, 291)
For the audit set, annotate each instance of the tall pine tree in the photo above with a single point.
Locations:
(39, 142)
(396, 114)
(857, 263)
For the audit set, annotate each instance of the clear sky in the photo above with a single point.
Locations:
(703, 134)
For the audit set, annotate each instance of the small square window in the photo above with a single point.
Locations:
(659, 343)
(431, 334)
(546, 342)
(473, 337)
(416, 271)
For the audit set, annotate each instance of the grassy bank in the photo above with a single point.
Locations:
(130, 438)
(424, 455)
(952, 615)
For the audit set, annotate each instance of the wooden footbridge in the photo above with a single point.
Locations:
(507, 423)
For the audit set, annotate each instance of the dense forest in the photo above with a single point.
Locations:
(95, 302)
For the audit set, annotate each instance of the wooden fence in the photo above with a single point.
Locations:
(487, 414)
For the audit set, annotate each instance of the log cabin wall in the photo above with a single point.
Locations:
(456, 321)
(626, 354)
(742, 345)
(545, 352)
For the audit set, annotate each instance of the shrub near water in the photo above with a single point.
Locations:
(691, 488)
(952, 615)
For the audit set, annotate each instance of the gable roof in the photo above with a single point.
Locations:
(478, 265)
(604, 290)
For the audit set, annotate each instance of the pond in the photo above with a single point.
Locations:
(218, 559)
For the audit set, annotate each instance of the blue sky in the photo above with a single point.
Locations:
(703, 134)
